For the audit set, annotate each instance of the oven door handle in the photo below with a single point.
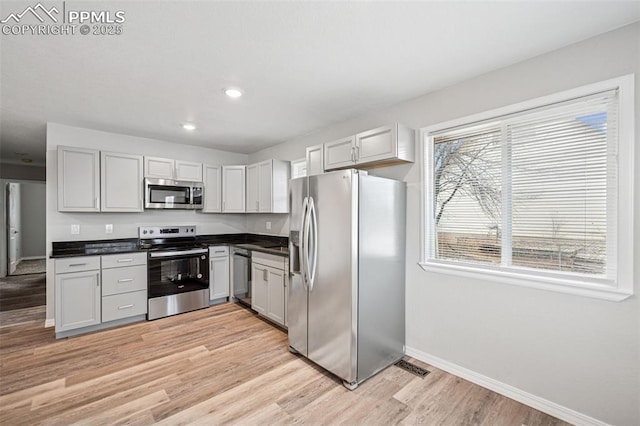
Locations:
(177, 253)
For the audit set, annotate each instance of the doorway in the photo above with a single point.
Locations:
(26, 206)
(23, 259)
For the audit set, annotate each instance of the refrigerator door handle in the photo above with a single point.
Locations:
(306, 272)
(314, 235)
(303, 245)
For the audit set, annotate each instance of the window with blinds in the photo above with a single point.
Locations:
(534, 191)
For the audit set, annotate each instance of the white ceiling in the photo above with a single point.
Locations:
(302, 65)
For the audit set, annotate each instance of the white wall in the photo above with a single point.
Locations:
(33, 219)
(125, 225)
(580, 353)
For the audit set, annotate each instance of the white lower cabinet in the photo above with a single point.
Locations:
(219, 281)
(92, 290)
(124, 305)
(77, 293)
(268, 286)
(259, 291)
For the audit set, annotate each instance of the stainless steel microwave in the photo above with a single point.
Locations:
(172, 194)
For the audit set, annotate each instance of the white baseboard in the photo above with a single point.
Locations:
(49, 322)
(541, 404)
(32, 258)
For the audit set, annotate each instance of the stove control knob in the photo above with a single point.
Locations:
(144, 232)
(151, 232)
(191, 229)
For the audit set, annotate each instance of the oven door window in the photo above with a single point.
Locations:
(180, 195)
(178, 275)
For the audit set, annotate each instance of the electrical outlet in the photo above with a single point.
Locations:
(108, 228)
(75, 229)
(268, 225)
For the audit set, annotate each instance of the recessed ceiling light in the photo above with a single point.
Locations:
(189, 126)
(233, 92)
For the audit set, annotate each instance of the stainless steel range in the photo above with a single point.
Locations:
(178, 270)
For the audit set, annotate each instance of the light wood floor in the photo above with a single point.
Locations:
(214, 366)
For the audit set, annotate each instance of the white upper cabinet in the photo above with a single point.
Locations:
(268, 187)
(340, 153)
(233, 189)
(186, 170)
(78, 179)
(384, 145)
(93, 181)
(121, 182)
(315, 161)
(252, 188)
(166, 168)
(161, 168)
(212, 189)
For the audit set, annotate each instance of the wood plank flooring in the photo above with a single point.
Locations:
(220, 365)
(22, 291)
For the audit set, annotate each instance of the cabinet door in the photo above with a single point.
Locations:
(78, 300)
(161, 168)
(78, 179)
(188, 171)
(275, 295)
(121, 182)
(233, 189)
(315, 161)
(252, 188)
(212, 189)
(377, 144)
(218, 277)
(265, 186)
(340, 153)
(259, 292)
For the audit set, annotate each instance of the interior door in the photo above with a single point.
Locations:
(13, 190)
(333, 289)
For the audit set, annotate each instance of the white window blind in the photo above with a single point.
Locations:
(533, 190)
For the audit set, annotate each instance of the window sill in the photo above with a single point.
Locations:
(554, 284)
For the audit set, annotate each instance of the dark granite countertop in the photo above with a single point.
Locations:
(94, 247)
(265, 243)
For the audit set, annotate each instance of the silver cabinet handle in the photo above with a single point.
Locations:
(125, 280)
(124, 260)
(125, 306)
(353, 155)
(219, 251)
(77, 264)
(264, 275)
(357, 153)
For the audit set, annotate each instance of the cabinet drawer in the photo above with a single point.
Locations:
(124, 280)
(124, 305)
(125, 259)
(218, 251)
(77, 264)
(268, 260)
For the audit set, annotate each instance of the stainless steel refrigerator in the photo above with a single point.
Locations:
(346, 305)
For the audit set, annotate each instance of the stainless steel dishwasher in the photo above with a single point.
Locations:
(241, 275)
